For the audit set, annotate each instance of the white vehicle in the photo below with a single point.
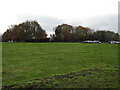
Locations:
(96, 41)
(114, 42)
(89, 41)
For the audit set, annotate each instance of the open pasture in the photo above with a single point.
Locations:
(23, 62)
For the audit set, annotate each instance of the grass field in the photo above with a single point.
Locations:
(24, 62)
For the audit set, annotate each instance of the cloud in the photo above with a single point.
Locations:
(108, 22)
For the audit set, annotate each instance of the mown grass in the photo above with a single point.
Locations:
(23, 62)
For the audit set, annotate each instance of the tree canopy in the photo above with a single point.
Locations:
(67, 32)
(24, 31)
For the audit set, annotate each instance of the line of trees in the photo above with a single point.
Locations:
(32, 31)
(68, 33)
(0, 38)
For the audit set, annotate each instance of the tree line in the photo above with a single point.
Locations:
(0, 38)
(31, 31)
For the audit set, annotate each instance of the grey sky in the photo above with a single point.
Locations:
(108, 22)
(96, 14)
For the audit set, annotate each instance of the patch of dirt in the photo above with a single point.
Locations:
(50, 80)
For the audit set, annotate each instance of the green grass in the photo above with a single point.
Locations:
(105, 77)
(23, 62)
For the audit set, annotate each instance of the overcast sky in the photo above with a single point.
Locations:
(96, 14)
